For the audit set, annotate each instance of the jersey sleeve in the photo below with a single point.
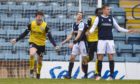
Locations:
(89, 21)
(21, 36)
(118, 27)
(29, 27)
(81, 26)
(47, 29)
(95, 24)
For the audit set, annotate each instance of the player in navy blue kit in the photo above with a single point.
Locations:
(79, 44)
(105, 23)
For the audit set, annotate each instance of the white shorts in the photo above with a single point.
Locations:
(106, 46)
(79, 49)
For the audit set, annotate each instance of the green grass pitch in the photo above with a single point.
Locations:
(66, 81)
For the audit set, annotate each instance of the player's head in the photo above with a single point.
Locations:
(39, 17)
(79, 16)
(98, 11)
(106, 10)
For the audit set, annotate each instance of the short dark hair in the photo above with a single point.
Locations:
(97, 11)
(104, 6)
(39, 13)
(79, 12)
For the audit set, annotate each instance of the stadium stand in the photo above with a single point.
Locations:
(60, 14)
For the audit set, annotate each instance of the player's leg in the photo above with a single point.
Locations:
(39, 66)
(71, 64)
(75, 51)
(96, 62)
(91, 50)
(111, 65)
(84, 53)
(32, 59)
(101, 48)
(111, 52)
(40, 51)
(85, 66)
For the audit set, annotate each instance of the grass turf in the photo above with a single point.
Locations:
(66, 81)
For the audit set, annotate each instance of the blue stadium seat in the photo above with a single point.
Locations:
(3, 33)
(2, 57)
(38, 4)
(118, 36)
(133, 39)
(3, 8)
(7, 21)
(119, 59)
(136, 48)
(11, 56)
(46, 57)
(22, 21)
(24, 56)
(120, 19)
(118, 11)
(132, 59)
(24, 3)
(125, 48)
(10, 3)
(8, 27)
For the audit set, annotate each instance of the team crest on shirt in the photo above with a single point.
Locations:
(102, 20)
(42, 28)
(109, 20)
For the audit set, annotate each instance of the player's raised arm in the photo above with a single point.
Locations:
(120, 28)
(21, 36)
(94, 25)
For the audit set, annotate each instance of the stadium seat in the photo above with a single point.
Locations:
(2, 56)
(22, 21)
(119, 36)
(118, 11)
(120, 19)
(24, 3)
(3, 33)
(133, 39)
(125, 48)
(136, 49)
(8, 21)
(11, 3)
(46, 57)
(132, 59)
(11, 56)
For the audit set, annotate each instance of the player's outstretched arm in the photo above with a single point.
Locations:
(49, 35)
(68, 38)
(21, 36)
(120, 28)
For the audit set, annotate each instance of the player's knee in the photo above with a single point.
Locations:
(100, 57)
(40, 62)
(91, 57)
(32, 54)
(33, 51)
(72, 58)
(85, 60)
(110, 57)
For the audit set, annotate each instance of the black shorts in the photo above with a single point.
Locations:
(92, 47)
(40, 49)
